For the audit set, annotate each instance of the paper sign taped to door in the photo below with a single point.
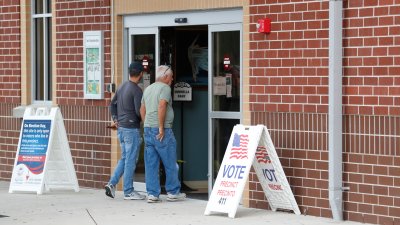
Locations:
(219, 86)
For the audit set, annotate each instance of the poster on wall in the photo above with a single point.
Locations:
(93, 65)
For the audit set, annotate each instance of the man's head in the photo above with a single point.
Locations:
(135, 68)
(164, 74)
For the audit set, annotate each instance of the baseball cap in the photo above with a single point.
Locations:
(135, 67)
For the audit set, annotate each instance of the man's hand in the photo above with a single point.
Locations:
(162, 111)
(113, 126)
(160, 135)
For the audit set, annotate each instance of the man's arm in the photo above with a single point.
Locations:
(114, 110)
(162, 110)
(143, 111)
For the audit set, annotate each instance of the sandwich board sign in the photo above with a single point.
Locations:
(250, 146)
(43, 160)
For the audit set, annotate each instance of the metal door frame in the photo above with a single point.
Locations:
(218, 114)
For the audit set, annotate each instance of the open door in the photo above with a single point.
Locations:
(225, 90)
(143, 47)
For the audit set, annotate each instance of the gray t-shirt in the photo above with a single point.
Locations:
(125, 105)
(151, 98)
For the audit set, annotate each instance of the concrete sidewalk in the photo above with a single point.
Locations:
(91, 207)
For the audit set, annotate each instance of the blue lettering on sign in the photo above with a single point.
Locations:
(233, 171)
(269, 174)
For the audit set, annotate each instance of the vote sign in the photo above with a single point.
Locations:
(234, 170)
(250, 145)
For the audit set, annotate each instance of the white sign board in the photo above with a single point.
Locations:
(250, 145)
(43, 157)
(93, 65)
(182, 92)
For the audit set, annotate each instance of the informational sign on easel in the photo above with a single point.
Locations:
(250, 145)
(43, 159)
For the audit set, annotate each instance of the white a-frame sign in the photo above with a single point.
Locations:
(43, 159)
(250, 145)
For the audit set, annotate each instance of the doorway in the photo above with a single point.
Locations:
(185, 49)
(205, 53)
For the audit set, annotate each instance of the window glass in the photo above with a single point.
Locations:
(42, 81)
(226, 71)
(39, 7)
(48, 6)
(39, 72)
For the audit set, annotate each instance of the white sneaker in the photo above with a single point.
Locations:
(134, 195)
(176, 197)
(153, 199)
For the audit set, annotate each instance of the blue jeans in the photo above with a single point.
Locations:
(130, 141)
(166, 151)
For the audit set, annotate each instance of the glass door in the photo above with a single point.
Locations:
(143, 47)
(225, 90)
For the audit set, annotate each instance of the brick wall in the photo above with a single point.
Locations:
(90, 143)
(289, 66)
(9, 136)
(10, 52)
(72, 19)
(10, 75)
(85, 120)
(289, 93)
(372, 63)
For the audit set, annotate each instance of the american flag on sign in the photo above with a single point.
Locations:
(239, 146)
(262, 155)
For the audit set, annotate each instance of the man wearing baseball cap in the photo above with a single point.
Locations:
(125, 112)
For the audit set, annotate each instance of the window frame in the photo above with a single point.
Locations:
(47, 53)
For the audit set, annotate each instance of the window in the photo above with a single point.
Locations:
(41, 55)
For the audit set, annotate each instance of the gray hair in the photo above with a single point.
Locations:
(162, 71)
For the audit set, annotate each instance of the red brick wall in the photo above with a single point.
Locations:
(85, 120)
(9, 136)
(10, 73)
(289, 93)
(10, 83)
(72, 19)
(289, 66)
(372, 63)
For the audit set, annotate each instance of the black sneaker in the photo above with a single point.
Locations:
(110, 190)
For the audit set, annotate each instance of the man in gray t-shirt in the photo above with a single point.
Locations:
(155, 93)
(125, 112)
(160, 142)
